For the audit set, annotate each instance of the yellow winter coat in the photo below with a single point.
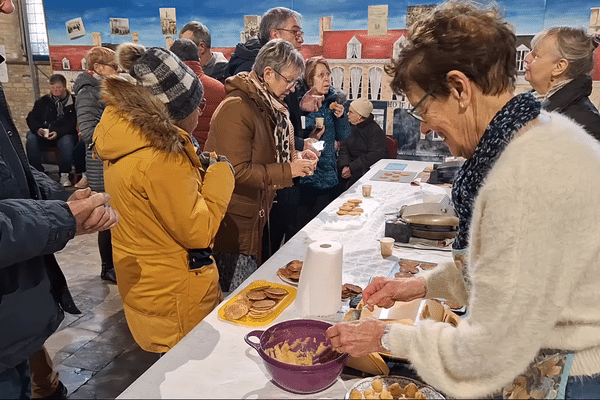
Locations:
(167, 205)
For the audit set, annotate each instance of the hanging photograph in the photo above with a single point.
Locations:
(168, 21)
(251, 24)
(119, 26)
(75, 28)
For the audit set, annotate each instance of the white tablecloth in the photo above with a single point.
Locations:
(213, 361)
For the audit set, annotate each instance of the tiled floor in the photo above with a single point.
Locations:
(94, 353)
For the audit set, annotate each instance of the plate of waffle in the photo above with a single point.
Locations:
(290, 274)
(258, 304)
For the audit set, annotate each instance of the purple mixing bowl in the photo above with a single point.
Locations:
(301, 379)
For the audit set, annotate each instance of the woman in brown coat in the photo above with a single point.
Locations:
(252, 128)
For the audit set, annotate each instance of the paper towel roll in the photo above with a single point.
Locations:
(320, 285)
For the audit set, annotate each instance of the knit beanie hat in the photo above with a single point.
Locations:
(362, 106)
(165, 75)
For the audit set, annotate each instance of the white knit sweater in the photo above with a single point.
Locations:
(534, 264)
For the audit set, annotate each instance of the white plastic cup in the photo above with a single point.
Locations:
(387, 246)
(319, 121)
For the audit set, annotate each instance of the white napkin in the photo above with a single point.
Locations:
(335, 222)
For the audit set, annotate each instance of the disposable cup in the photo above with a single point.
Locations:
(319, 121)
(366, 190)
(387, 246)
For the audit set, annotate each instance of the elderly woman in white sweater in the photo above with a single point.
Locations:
(530, 193)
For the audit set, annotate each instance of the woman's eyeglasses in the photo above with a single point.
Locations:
(291, 83)
(114, 66)
(414, 112)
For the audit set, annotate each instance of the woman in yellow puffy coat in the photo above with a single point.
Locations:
(168, 203)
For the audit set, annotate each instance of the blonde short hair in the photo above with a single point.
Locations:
(99, 55)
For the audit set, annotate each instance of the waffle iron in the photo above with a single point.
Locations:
(432, 221)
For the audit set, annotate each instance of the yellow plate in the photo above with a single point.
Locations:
(267, 319)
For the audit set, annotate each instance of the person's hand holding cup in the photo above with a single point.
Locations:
(319, 121)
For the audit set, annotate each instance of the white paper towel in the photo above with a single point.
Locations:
(320, 285)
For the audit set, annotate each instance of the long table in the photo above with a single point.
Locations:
(213, 361)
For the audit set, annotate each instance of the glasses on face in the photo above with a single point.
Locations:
(414, 112)
(202, 104)
(298, 34)
(289, 83)
(114, 66)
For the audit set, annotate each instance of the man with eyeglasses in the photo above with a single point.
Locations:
(286, 24)
(276, 23)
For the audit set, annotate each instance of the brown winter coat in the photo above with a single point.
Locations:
(242, 129)
(166, 207)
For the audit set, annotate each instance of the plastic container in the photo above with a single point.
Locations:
(301, 379)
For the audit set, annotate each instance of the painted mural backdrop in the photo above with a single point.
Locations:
(73, 27)
(226, 19)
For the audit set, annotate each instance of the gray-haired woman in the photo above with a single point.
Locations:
(558, 68)
(252, 128)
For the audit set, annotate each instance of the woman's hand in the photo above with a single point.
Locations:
(317, 133)
(308, 146)
(338, 109)
(346, 173)
(384, 292)
(302, 167)
(309, 155)
(357, 338)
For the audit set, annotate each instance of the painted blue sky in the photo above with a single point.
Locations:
(225, 18)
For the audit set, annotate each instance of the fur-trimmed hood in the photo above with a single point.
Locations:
(135, 119)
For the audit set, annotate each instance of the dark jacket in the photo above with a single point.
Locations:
(89, 107)
(242, 58)
(35, 222)
(44, 115)
(365, 146)
(573, 101)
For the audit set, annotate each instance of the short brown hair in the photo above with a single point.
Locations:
(58, 78)
(99, 55)
(457, 35)
(311, 68)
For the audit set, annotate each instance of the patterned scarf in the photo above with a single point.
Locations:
(61, 103)
(284, 130)
(515, 114)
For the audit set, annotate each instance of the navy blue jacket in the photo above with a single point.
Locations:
(35, 222)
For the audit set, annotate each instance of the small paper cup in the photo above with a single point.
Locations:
(319, 121)
(366, 190)
(387, 246)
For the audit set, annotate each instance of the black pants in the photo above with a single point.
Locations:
(283, 221)
(105, 248)
(313, 201)
(79, 157)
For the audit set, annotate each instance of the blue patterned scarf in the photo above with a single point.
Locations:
(515, 114)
